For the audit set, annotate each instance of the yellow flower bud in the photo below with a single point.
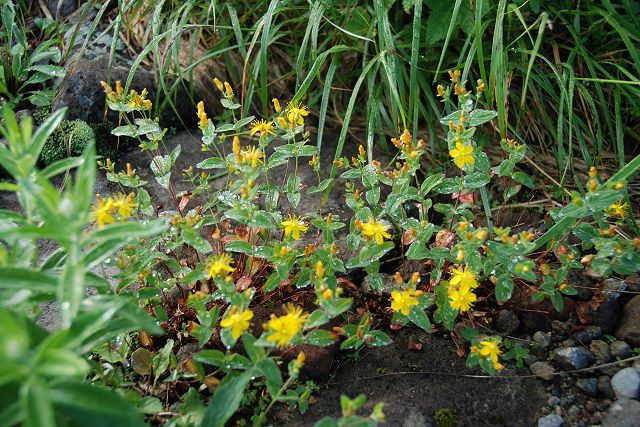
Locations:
(319, 270)
(218, 84)
(276, 105)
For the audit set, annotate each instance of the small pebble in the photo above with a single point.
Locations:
(619, 349)
(604, 386)
(543, 369)
(551, 420)
(588, 386)
(542, 339)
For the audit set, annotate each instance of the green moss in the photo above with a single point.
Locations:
(69, 139)
(445, 418)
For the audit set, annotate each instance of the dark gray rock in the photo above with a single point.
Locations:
(542, 339)
(604, 309)
(551, 420)
(82, 94)
(543, 369)
(600, 350)
(571, 358)
(620, 349)
(604, 386)
(587, 335)
(623, 413)
(588, 386)
(506, 321)
(626, 384)
(629, 328)
(62, 8)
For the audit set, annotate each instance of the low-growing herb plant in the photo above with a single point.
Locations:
(215, 269)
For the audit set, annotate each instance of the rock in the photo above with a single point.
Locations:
(626, 384)
(603, 310)
(551, 420)
(506, 321)
(82, 94)
(629, 328)
(542, 314)
(543, 369)
(619, 349)
(604, 386)
(571, 358)
(587, 335)
(542, 339)
(553, 401)
(588, 386)
(62, 8)
(623, 413)
(573, 411)
(600, 350)
(560, 329)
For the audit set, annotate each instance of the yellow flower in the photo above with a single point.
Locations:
(103, 212)
(294, 226)
(403, 301)
(284, 328)
(462, 154)
(376, 230)
(490, 348)
(124, 204)
(119, 88)
(220, 265)
(461, 299)
(265, 128)
(296, 113)
(251, 155)
(463, 278)
(618, 209)
(237, 321)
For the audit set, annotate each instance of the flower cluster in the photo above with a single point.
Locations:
(133, 101)
(107, 211)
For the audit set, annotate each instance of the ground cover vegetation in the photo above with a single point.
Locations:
(218, 298)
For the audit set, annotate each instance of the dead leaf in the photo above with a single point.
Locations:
(415, 346)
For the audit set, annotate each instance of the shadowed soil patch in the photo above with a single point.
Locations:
(396, 376)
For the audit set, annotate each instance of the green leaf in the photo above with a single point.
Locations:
(320, 338)
(368, 255)
(226, 400)
(377, 339)
(210, 357)
(128, 231)
(90, 404)
(504, 288)
(420, 318)
(317, 318)
(523, 179)
(476, 180)
(213, 163)
(430, 183)
(24, 278)
(239, 246)
(448, 186)
(271, 372)
(37, 406)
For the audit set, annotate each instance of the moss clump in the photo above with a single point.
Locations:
(445, 418)
(69, 139)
